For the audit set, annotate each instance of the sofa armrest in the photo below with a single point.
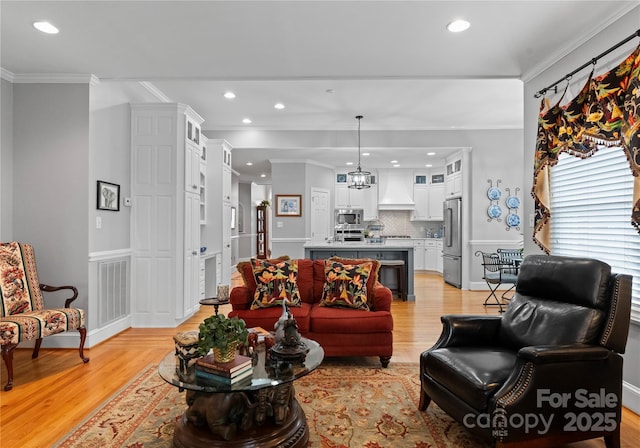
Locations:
(381, 298)
(468, 330)
(240, 298)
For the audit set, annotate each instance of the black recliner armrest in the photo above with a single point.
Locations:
(563, 353)
(468, 330)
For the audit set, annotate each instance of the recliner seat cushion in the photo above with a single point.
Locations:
(473, 374)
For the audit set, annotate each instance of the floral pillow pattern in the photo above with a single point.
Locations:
(346, 284)
(275, 282)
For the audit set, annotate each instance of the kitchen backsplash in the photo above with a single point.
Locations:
(398, 222)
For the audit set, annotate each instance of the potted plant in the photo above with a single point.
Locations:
(265, 203)
(223, 335)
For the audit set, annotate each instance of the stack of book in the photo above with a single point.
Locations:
(224, 372)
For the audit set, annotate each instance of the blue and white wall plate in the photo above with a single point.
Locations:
(494, 211)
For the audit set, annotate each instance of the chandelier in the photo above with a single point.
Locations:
(359, 179)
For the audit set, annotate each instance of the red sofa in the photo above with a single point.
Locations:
(340, 331)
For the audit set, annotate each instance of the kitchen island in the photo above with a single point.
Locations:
(380, 251)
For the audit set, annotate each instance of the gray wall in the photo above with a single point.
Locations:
(6, 160)
(51, 180)
(599, 43)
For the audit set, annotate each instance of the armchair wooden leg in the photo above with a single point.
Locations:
(83, 338)
(36, 348)
(7, 356)
(425, 400)
(613, 440)
(384, 360)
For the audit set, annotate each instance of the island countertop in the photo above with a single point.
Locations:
(389, 250)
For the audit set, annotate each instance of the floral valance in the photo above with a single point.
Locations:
(605, 112)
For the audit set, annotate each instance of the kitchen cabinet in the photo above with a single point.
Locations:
(453, 176)
(440, 254)
(435, 201)
(366, 199)
(430, 255)
(165, 219)
(426, 254)
(428, 195)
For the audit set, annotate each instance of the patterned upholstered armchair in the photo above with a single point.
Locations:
(23, 315)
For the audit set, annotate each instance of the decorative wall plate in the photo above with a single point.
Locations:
(494, 193)
(513, 220)
(513, 202)
(494, 211)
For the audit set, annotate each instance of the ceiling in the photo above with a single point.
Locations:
(326, 61)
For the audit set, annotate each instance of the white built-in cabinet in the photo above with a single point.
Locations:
(453, 176)
(428, 195)
(426, 255)
(219, 168)
(440, 255)
(165, 231)
(366, 199)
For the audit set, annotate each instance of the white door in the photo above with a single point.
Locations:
(320, 214)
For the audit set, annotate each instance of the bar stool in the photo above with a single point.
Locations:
(399, 269)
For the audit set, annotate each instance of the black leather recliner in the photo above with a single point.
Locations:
(548, 371)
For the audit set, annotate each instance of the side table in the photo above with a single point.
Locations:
(215, 302)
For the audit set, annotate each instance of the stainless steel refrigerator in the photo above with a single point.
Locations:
(452, 244)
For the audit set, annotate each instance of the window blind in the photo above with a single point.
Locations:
(591, 202)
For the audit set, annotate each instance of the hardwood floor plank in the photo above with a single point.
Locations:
(55, 392)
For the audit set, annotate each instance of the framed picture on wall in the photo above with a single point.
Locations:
(288, 205)
(108, 196)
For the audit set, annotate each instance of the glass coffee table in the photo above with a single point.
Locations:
(260, 411)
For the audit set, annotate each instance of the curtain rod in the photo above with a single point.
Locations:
(593, 61)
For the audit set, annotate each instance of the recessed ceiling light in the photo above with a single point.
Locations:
(229, 95)
(366, 154)
(394, 161)
(249, 163)
(397, 165)
(458, 26)
(349, 163)
(46, 27)
(431, 153)
(246, 120)
(279, 106)
(428, 165)
(263, 175)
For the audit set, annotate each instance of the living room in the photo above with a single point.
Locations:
(59, 138)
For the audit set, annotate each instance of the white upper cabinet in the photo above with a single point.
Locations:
(453, 176)
(428, 195)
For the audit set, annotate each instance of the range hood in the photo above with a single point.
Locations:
(395, 190)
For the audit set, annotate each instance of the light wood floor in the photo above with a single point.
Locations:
(55, 392)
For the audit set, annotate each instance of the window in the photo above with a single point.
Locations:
(591, 202)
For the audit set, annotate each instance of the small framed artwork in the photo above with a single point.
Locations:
(288, 205)
(341, 178)
(108, 196)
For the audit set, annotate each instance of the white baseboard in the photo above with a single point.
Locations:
(631, 397)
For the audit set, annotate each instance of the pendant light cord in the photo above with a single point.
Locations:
(359, 117)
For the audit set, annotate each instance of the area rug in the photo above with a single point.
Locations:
(346, 406)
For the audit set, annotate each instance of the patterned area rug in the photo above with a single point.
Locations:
(346, 406)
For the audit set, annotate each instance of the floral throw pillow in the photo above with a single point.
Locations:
(274, 283)
(346, 284)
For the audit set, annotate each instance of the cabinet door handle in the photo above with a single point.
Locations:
(194, 253)
(194, 186)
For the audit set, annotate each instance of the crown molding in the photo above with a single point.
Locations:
(153, 90)
(49, 78)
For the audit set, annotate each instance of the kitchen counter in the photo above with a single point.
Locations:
(389, 250)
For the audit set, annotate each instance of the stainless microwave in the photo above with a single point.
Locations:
(351, 216)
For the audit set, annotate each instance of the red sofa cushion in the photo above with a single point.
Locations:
(267, 317)
(348, 320)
